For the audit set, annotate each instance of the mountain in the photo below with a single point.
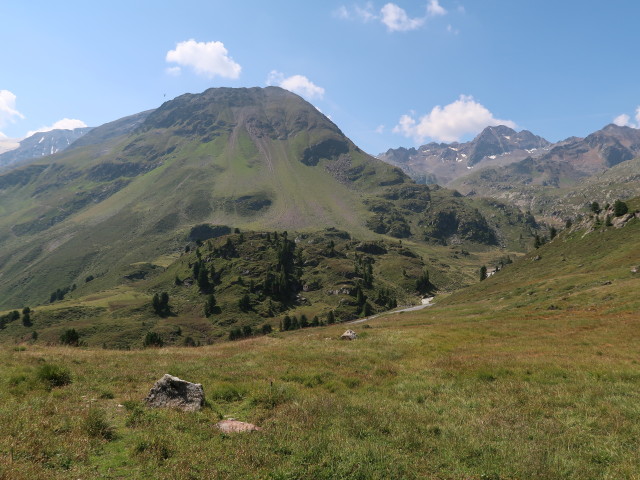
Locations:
(131, 192)
(567, 177)
(40, 144)
(442, 163)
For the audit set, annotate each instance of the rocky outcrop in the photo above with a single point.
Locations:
(172, 392)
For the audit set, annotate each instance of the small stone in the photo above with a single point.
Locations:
(236, 426)
(172, 392)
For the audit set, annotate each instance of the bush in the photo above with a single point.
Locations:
(70, 337)
(153, 339)
(54, 375)
(96, 425)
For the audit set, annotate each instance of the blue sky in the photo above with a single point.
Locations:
(388, 74)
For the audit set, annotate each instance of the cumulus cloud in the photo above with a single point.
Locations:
(64, 124)
(435, 9)
(394, 17)
(449, 123)
(209, 59)
(624, 120)
(8, 112)
(297, 84)
(379, 129)
(397, 20)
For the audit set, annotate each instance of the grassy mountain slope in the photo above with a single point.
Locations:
(257, 159)
(489, 383)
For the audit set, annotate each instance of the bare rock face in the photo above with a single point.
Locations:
(172, 392)
(349, 335)
(236, 426)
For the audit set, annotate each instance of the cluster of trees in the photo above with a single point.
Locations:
(15, 315)
(619, 208)
(295, 323)
(60, 293)
(364, 307)
(386, 298)
(160, 304)
(283, 280)
(8, 318)
(364, 269)
(246, 331)
(423, 284)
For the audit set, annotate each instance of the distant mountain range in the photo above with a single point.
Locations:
(41, 144)
(444, 162)
(528, 171)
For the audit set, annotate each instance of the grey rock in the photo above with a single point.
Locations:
(349, 335)
(172, 392)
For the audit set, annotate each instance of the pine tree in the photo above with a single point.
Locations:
(620, 208)
(244, 303)
(203, 280)
(210, 305)
(331, 318)
(483, 273)
(155, 303)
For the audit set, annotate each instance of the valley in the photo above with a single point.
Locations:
(231, 237)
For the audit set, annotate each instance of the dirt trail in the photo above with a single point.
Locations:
(426, 302)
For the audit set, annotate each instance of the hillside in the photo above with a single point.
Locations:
(531, 373)
(255, 159)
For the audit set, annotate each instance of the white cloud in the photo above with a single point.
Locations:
(624, 120)
(173, 71)
(342, 12)
(297, 84)
(452, 30)
(435, 9)
(8, 112)
(397, 20)
(64, 124)
(206, 58)
(449, 123)
(379, 129)
(366, 13)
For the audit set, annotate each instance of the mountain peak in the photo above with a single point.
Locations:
(271, 112)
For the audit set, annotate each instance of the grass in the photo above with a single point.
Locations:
(447, 393)
(488, 384)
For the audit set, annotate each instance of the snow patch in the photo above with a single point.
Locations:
(454, 149)
(507, 137)
(41, 139)
(492, 157)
